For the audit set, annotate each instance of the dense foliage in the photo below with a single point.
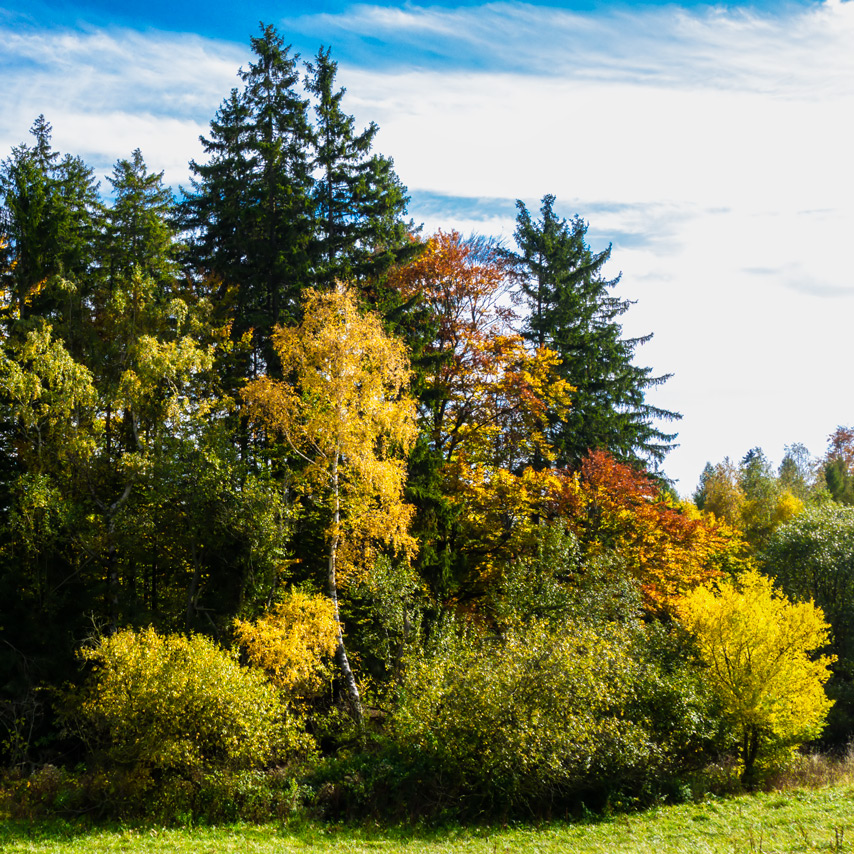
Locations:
(304, 483)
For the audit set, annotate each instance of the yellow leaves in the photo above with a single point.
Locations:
(293, 642)
(345, 411)
(788, 506)
(177, 702)
(756, 644)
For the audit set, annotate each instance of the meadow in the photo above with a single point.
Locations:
(770, 822)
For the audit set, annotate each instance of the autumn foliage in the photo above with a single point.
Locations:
(759, 650)
(668, 550)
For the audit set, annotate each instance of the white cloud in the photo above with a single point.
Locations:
(107, 92)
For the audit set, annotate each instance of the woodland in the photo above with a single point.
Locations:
(305, 509)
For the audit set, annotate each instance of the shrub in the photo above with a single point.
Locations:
(547, 715)
(170, 703)
(757, 648)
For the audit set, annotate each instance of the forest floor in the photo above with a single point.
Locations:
(771, 823)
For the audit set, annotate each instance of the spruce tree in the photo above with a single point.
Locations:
(51, 215)
(138, 233)
(359, 201)
(572, 310)
(249, 215)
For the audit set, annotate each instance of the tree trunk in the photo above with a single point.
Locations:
(341, 651)
(749, 753)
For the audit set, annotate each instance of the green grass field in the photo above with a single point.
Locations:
(800, 820)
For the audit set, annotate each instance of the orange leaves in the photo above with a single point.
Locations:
(663, 547)
(488, 395)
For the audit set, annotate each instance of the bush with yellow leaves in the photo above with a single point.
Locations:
(757, 648)
(178, 704)
(294, 642)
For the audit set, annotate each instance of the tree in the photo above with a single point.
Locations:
(347, 416)
(51, 216)
(797, 473)
(812, 557)
(250, 215)
(756, 645)
(838, 465)
(484, 400)
(750, 497)
(138, 233)
(619, 510)
(358, 200)
(571, 311)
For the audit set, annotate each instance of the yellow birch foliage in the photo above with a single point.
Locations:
(294, 642)
(346, 413)
(757, 646)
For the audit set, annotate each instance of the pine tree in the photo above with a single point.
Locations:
(359, 202)
(572, 310)
(250, 212)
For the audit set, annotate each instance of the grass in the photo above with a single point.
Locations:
(774, 822)
(809, 806)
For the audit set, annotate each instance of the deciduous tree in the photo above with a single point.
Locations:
(345, 413)
(757, 646)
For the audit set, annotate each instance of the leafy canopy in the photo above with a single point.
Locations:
(756, 645)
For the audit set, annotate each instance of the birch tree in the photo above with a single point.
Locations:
(344, 411)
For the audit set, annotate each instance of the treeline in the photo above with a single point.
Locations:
(299, 501)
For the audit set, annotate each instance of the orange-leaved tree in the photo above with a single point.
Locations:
(486, 393)
(345, 412)
(486, 399)
(666, 547)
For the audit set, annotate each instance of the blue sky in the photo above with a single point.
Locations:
(711, 144)
(230, 21)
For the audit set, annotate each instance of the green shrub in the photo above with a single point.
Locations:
(550, 714)
(169, 703)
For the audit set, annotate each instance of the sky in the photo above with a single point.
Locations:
(709, 144)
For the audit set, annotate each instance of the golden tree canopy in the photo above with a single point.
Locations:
(757, 646)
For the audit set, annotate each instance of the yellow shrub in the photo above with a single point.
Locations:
(756, 645)
(178, 703)
(294, 642)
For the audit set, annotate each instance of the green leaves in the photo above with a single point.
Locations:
(177, 703)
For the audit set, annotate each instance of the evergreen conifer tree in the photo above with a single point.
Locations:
(572, 310)
(359, 202)
(52, 214)
(138, 233)
(250, 211)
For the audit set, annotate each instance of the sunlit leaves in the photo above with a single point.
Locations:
(667, 550)
(346, 414)
(176, 703)
(293, 642)
(756, 645)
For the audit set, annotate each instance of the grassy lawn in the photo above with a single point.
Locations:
(801, 820)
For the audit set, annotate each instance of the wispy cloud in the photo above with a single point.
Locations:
(107, 92)
(787, 51)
